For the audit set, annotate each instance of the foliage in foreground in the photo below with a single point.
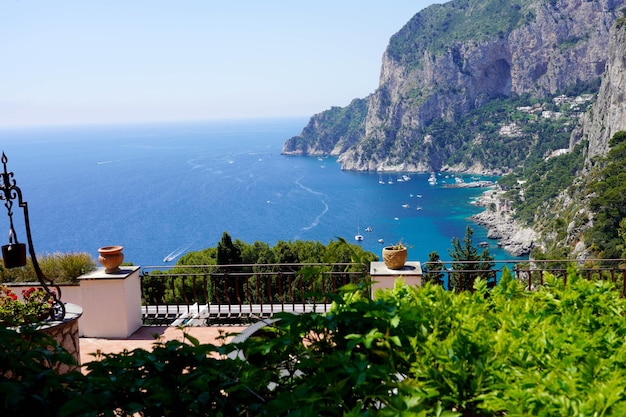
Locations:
(558, 350)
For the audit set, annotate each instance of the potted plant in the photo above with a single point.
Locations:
(395, 256)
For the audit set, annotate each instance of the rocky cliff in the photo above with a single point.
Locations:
(608, 115)
(562, 222)
(455, 57)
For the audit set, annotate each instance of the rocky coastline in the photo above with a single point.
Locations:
(512, 237)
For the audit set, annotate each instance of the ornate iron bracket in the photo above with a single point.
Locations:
(9, 191)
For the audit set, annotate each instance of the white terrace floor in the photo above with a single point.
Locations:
(144, 338)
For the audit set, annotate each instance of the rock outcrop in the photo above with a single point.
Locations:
(497, 218)
(608, 114)
(454, 57)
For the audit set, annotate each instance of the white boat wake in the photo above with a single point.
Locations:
(175, 254)
(323, 200)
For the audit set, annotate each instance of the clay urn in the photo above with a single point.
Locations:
(111, 257)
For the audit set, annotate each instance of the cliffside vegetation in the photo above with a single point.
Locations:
(607, 200)
(439, 26)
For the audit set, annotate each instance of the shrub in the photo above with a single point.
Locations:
(62, 268)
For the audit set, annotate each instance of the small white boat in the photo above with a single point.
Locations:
(381, 241)
(405, 206)
(358, 237)
(369, 229)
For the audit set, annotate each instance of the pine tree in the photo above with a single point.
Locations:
(468, 261)
(433, 273)
(227, 252)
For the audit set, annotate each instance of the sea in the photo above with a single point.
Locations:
(163, 189)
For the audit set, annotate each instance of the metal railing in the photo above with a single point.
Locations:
(532, 274)
(200, 295)
(207, 294)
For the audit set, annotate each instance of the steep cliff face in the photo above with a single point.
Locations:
(561, 223)
(452, 58)
(608, 115)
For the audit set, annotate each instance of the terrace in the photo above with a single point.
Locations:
(210, 301)
(129, 308)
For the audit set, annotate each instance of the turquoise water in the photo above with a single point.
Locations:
(163, 189)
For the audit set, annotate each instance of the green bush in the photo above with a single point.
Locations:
(555, 351)
(62, 268)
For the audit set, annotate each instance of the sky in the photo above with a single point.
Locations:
(107, 61)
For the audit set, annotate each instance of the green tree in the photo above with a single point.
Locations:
(227, 252)
(469, 263)
(433, 273)
(622, 235)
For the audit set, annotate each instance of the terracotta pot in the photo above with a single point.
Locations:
(394, 258)
(111, 257)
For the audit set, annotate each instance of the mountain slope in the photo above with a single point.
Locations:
(450, 60)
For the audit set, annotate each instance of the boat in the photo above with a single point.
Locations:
(381, 241)
(174, 254)
(358, 237)
(369, 229)
(419, 208)
(405, 206)
(432, 180)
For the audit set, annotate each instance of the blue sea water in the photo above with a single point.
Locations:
(161, 190)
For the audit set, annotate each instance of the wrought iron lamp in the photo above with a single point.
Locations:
(14, 254)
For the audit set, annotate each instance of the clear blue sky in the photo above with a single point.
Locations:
(93, 61)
